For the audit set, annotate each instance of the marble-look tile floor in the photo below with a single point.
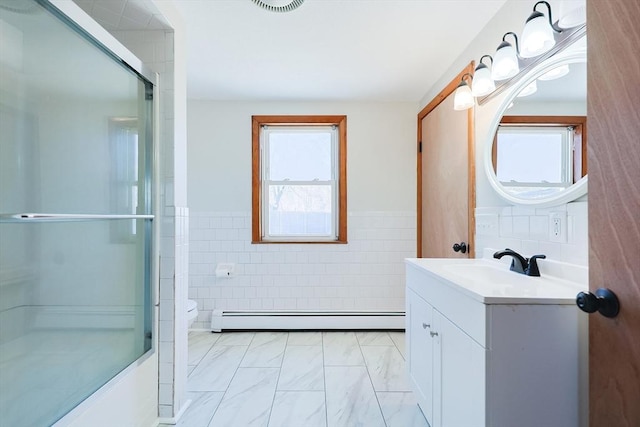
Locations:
(299, 379)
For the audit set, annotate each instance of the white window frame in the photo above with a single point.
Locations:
(567, 133)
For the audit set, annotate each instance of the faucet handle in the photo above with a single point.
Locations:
(532, 267)
(518, 263)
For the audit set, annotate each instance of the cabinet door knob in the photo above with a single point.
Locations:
(426, 325)
(433, 334)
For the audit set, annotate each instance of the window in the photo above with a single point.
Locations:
(299, 179)
(534, 156)
(540, 155)
(123, 145)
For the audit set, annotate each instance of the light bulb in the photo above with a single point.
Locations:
(505, 62)
(482, 83)
(536, 44)
(537, 36)
(463, 98)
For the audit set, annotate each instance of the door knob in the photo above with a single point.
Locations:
(603, 301)
(460, 247)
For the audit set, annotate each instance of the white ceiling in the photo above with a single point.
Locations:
(354, 50)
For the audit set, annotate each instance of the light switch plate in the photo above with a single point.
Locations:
(487, 224)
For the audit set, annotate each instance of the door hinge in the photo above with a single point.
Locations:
(420, 147)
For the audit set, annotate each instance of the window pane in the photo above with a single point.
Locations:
(300, 210)
(300, 155)
(530, 157)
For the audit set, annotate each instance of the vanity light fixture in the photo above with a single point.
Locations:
(529, 89)
(540, 39)
(463, 98)
(505, 61)
(537, 36)
(556, 73)
(482, 83)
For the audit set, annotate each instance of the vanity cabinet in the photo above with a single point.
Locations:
(446, 367)
(474, 361)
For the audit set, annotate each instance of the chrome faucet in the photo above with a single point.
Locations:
(520, 264)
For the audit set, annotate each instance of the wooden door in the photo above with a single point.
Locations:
(613, 79)
(446, 177)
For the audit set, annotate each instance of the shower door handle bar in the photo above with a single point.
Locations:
(43, 217)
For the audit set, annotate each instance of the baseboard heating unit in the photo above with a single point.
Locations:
(222, 320)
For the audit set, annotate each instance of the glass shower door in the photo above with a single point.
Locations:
(75, 215)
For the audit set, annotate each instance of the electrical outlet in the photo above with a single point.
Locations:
(558, 227)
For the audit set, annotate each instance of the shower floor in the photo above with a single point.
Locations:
(46, 373)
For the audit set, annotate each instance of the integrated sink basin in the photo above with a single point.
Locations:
(484, 271)
(487, 280)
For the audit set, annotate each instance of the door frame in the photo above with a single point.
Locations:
(471, 167)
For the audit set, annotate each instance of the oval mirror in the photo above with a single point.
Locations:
(537, 155)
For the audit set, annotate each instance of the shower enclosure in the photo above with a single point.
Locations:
(76, 214)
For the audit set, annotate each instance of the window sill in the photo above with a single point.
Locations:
(300, 242)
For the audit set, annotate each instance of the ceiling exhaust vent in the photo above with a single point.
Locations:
(279, 5)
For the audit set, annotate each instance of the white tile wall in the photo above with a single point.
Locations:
(365, 274)
(179, 357)
(528, 230)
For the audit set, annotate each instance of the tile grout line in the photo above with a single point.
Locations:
(207, 352)
(225, 392)
(273, 399)
(196, 366)
(231, 380)
(398, 348)
(324, 377)
(199, 360)
(375, 393)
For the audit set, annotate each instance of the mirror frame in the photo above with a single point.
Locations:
(575, 191)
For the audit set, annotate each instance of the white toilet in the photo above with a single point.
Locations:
(192, 311)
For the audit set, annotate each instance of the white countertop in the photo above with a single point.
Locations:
(491, 282)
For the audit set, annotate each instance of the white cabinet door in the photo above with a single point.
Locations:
(461, 386)
(420, 352)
